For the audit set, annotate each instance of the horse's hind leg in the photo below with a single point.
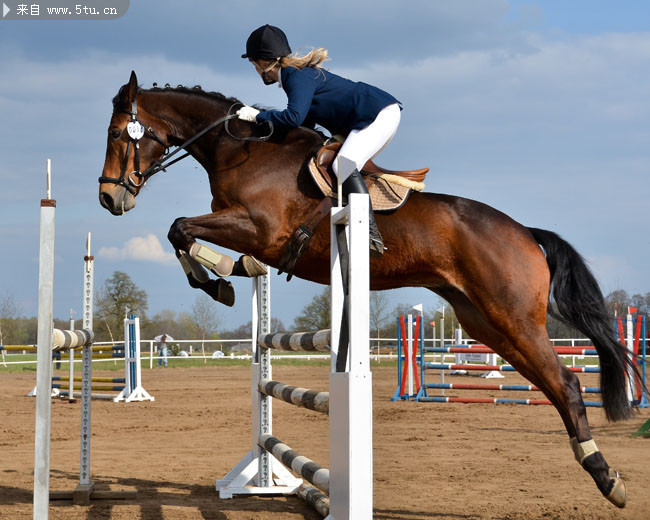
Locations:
(529, 350)
(536, 360)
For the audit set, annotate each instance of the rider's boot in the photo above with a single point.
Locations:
(355, 184)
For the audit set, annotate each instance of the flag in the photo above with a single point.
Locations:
(433, 323)
(418, 308)
(632, 310)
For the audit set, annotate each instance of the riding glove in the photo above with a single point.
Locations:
(248, 113)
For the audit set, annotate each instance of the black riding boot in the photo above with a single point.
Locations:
(354, 184)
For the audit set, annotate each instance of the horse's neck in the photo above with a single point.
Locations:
(186, 116)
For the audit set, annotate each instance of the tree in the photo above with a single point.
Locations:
(10, 330)
(317, 314)
(378, 313)
(118, 294)
(206, 318)
(617, 302)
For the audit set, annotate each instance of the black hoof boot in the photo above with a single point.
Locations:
(221, 291)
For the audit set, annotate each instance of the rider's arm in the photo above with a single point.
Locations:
(300, 86)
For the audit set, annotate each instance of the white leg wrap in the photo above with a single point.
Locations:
(582, 450)
(219, 264)
(193, 268)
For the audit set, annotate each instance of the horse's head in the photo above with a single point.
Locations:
(132, 148)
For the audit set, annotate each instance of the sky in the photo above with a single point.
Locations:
(538, 108)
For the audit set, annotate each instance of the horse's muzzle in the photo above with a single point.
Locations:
(116, 199)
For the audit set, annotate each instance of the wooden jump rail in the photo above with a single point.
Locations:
(306, 468)
(298, 341)
(303, 397)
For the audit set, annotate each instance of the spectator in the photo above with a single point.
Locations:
(162, 351)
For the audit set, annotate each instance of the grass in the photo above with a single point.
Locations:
(198, 362)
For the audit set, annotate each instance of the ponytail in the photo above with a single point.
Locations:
(314, 58)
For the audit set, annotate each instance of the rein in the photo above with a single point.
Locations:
(137, 131)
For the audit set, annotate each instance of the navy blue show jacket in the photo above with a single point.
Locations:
(335, 103)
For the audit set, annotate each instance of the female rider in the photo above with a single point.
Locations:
(366, 115)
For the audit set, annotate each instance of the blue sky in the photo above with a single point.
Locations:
(539, 109)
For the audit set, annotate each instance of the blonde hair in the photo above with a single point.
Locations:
(314, 58)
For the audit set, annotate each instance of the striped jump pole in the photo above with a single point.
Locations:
(511, 388)
(306, 468)
(499, 368)
(310, 399)
(93, 379)
(471, 349)
(318, 341)
(489, 400)
(265, 468)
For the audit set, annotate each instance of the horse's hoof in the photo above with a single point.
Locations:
(618, 494)
(252, 266)
(221, 291)
(226, 293)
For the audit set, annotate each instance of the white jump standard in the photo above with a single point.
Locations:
(349, 479)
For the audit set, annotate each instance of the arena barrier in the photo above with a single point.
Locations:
(48, 340)
(410, 364)
(263, 470)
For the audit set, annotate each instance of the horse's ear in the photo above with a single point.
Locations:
(132, 88)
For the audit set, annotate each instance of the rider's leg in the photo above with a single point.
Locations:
(359, 147)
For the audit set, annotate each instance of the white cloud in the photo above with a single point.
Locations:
(145, 249)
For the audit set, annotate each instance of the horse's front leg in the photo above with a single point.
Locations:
(229, 228)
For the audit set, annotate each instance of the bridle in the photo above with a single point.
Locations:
(138, 131)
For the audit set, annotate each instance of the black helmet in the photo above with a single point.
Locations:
(267, 42)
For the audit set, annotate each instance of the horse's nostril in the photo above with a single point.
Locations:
(106, 200)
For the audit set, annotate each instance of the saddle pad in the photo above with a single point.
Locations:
(385, 192)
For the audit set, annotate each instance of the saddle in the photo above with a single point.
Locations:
(388, 189)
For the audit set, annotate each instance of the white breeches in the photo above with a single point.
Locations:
(362, 145)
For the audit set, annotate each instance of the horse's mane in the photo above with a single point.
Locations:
(120, 103)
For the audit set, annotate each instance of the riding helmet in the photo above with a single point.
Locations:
(267, 42)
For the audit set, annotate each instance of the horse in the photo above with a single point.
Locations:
(498, 275)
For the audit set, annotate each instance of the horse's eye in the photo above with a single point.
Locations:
(116, 133)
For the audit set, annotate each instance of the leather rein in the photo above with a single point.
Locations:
(138, 131)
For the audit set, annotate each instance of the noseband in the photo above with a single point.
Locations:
(137, 131)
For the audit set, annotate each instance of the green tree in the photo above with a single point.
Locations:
(317, 314)
(118, 294)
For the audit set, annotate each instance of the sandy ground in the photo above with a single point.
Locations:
(432, 461)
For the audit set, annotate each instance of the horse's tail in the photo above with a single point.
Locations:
(580, 303)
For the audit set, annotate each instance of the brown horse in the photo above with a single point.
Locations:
(490, 268)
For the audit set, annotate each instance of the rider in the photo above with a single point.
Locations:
(366, 115)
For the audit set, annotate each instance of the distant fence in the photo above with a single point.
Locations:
(381, 349)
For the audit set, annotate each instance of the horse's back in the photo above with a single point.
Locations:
(460, 240)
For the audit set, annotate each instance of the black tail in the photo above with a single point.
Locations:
(580, 304)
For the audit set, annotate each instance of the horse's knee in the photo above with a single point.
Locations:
(177, 235)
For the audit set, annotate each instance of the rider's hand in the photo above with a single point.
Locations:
(248, 113)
